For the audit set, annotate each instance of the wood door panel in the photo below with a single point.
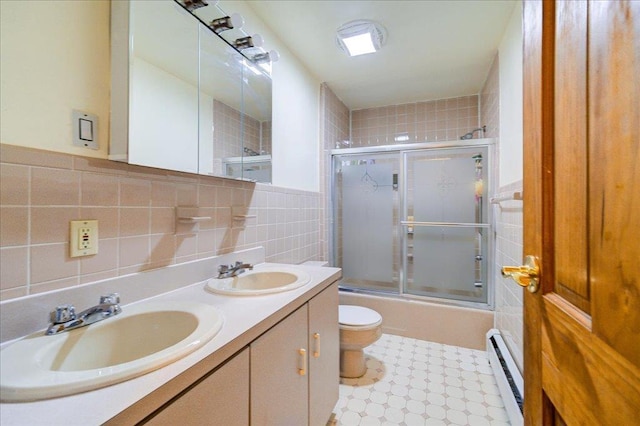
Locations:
(586, 380)
(570, 153)
(614, 124)
(582, 329)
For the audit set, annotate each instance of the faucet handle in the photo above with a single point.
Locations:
(63, 313)
(112, 298)
(223, 269)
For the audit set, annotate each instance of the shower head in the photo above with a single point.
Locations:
(470, 134)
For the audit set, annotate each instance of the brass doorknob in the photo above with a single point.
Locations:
(526, 275)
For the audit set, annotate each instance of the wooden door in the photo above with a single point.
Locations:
(324, 355)
(582, 211)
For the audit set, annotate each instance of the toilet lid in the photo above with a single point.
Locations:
(357, 315)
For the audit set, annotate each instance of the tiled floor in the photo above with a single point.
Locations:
(414, 382)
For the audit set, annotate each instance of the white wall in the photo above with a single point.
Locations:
(56, 57)
(510, 51)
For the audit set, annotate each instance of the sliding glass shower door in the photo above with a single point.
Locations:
(366, 206)
(413, 222)
(446, 223)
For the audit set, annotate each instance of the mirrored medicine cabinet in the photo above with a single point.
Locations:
(183, 98)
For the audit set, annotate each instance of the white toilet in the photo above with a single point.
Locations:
(359, 327)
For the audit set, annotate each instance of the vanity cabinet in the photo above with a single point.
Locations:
(295, 365)
(279, 375)
(289, 375)
(221, 398)
(324, 355)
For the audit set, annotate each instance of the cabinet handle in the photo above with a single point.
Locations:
(302, 362)
(316, 340)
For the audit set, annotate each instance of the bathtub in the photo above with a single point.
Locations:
(450, 325)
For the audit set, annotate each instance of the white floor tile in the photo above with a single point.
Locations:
(414, 382)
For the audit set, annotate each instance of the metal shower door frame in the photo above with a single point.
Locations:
(489, 144)
(401, 149)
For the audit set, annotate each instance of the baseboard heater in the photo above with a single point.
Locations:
(507, 376)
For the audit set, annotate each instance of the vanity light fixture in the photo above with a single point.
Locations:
(249, 47)
(192, 5)
(271, 56)
(255, 40)
(361, 36)
(227, 23)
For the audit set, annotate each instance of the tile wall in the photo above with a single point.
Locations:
(508, 229)
(509, 248)
(430, 121)
(42, 191)
(234, 130)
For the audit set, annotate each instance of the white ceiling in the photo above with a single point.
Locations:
(435, 49)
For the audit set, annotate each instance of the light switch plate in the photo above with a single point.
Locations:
(85, 129)
(83, 238)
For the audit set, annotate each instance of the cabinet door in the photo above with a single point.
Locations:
(222, 398)
(324, 355)
(279, 390)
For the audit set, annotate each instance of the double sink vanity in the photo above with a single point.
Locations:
(260, 347)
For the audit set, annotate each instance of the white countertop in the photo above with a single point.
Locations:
(245, 318)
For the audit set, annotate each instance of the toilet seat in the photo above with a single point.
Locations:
(358, 317)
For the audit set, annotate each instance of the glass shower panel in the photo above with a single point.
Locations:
(446, 224)
(366, 202)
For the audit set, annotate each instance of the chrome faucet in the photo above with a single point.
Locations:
(228, 271)
(64, 318)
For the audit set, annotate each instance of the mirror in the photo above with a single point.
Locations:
(194, 103)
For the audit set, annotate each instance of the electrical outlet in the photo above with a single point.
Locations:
(83, 238)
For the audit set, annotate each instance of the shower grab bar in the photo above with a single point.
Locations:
(445, 224)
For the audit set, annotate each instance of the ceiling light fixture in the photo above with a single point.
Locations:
(361, 36)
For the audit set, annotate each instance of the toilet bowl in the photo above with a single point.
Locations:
(359, 327)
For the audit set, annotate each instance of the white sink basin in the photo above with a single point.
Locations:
(143, 338)
(260, 281)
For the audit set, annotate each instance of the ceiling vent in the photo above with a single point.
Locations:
(361, 36)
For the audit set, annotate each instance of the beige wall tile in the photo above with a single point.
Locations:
(54, 187)
(14, 267)
(133, 251)
(14, 184)
(163, 220)
(134, 221)
(186, 245)
(99, 190)
(206, 196)
(135, 192)
(61, 194)
(12, 293)
(105, 260)
(14, 226)
(89, 278)
(163, 194)
(163, 248)
(51, 224)
(35, 157)
(55, 285)
(52, 262)
(187, 194)
(99, 165)
(107, 217)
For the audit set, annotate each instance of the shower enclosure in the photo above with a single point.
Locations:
(414, 220)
